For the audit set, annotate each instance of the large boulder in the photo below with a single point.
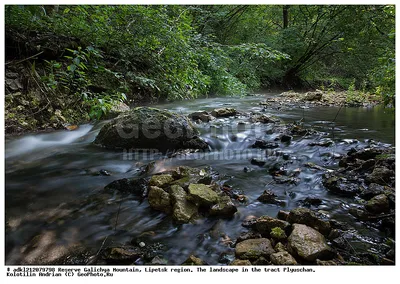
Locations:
(309, 244)
(150, 128)
(253, 249)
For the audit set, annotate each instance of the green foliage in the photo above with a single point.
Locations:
(73, 77)
(182, 52)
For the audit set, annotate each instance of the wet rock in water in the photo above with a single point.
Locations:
(122, 255)
(193, 260)
(248, 235)
(323, 143)
(311, 201)
(262, 144)
(286, 138)
(223, 112)
(161, 180)
(149, 128)
(253, 249)
(307, 217)
(159, 199)
(340, 185)
(268, 197)
(263, 118)
(381, 175)
(282, 258)
(183, 210)
(378, 204)
(364, 154)
(250, 221)
(201, 115)
(309, 244)
(372, 190)
(240, 262)
(202, 195)
(265, 224)
(283, 215)
(133, 185)
(224, 208)
(257, 162)
(359, 214)
(278, 234)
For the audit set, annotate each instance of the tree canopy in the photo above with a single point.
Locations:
(187, 51)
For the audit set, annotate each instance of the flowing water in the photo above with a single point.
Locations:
(53, 185)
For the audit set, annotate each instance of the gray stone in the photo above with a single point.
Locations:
(309, 244)
(282, 258)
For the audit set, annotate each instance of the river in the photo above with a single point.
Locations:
(53, 185)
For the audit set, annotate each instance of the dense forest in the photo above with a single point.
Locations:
(82, 60)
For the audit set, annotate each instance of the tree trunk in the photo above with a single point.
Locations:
(285, 16)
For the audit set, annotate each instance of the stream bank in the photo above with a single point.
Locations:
(272, 167)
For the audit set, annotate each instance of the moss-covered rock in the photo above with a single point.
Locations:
(278, 234)
(161, 180)
(183, 211)
(224, 112)
(224, 208)
(265, 224)
(159, 199)
(253, 249)
(378, 204)
(202, 195)
(150, 128)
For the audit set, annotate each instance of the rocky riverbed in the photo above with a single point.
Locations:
(358, 176)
